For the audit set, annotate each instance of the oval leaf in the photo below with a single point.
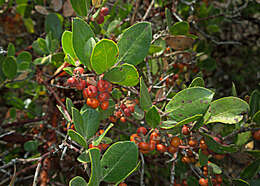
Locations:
(227, 110)
(78, 181)
(135, 42)
(90, 122)
(81, 33)
(251, 170)
(78, 121)
(180, 28)
(67, 46)
(189, 102)
(96, 172)
(31, 146)
(121, 156)
(152, 117)
(104, 55)
(197, 82)
(77, 138)
(254, 102)
(9, 67)
(80, 6)
(145, 99)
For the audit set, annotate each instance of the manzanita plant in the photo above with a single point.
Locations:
(134, 80)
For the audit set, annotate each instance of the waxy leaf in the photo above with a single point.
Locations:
(69, 105)
(66, 41)
(227, 110)
(78, 121)
(11, 50)
(96, 171)
(251, 170)
(180, 28)
(31, 146)
(240, 182)
(81, 33)
(80, 6)
(125, 74)
(254, 102)
(99, 139)
(104, 55)
(217, 147)
(145, 99)
(9, 67)
(84, 157)
(197, 82)
(152, 117)
(121, 156)
(256, 118)
(77, 138)
(216, 169)
(90, 122)
(189, 102)
(78, 181)
(53, 25)
(134, 43)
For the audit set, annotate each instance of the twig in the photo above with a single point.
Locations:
(148, 10)
(19, 123)
(36, 173)
(241, 130)
(142, 170)
(137, 2)
(172, 173)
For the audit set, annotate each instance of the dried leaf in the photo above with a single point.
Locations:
(56, 5)
(179, 42)
(41, 10)
(67, 9)
(96, 3)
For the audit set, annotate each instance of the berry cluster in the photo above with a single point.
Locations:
(76, 80)
(103, 12)
(123, 111)
(98, 95)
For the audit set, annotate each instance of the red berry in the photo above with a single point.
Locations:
(203, 182)
(122, 106)
(185, 130)
(92, 102)
(104, 105)
(122, 184)
(81, 84)
(193, 143)
(161, 148)
(203, 145)
(78, 70)
(91, 91)
(104, 11)
(155, 137)
(131, 108)
(256, 135)
(152, 145)
(135, 138)
(172, 149)
(127, 112)
(71, 81)
(118, 114)
(112, 119)
(101, 85)
(103, 96)
(141, 130)
(100, 19)
(175, 142)
(122, 119)
(144, 146)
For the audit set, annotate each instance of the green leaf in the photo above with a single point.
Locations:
(174, 124)
(11, 49)
(255, 153)
(53, 25)
(24, 57)
(63, 113)
(104, 55)
(81, 33)
(227, 110)
(116, 93)
(9, 67)
(78, 121)
(216, 169)
(80, 6)
(251, 170)
(29, 24)
(256, 118)
(31, 146)
(77, 138)
(155, 49)
(240, 182)
(152, 117)
(180, 28)
(104, 114)
(197, 82)
(125, 75)
(69, 105)
(254, 102)
(40, 47)
(121, 156)
(78, 181)
(138, 113)
(203, 159)
(24, 10)
(217, 147)
(112, 26)
(99, 139)
(189, 102)
(242, 138)
(192, 181)
(91, 121)
(234, 91)
(96, 171)
(134, 43)
(145, 99)
(84, 157)
(168, 16)
(67, 46)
